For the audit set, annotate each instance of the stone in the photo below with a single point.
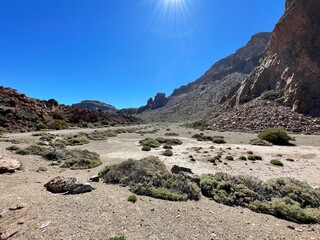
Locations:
(94, 178)
(8, 165)
(67, 185)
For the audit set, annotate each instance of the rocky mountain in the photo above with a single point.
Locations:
(194, 100)
(95, 105)
(284, 91)
(160, 100)
(292, 63)
(21, 113)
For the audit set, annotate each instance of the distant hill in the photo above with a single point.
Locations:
(95, 105)
(21, 113)
(221, 81)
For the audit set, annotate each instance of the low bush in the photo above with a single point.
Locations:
(244, 158)
(168, 153)
(218, 140)
(254, 157)
(96, 135)
(285, 198)
(276, 162)
(271, 95)
(260, 142)
(76, 139)
(230, 158)
(150, 177)
(146, 148)
(276, 136)
(167, 146)
(132, 198)
(153, 143)
(34, 150)
(81, 159)
(118, 238)
(13, 148)
(47, 137)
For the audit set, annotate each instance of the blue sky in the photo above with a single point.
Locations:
(121, 51)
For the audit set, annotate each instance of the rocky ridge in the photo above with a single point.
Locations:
(21, 113)
(194, 100)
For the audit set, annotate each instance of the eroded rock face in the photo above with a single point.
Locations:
(8, 165)
(292, 62)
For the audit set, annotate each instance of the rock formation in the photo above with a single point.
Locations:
(95, 105)
(292, 62)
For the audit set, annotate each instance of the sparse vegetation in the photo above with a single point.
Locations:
(45, 136)
(34, 150)
(150, 177)
(13, 148)
(276, 136)
(230, 158)
(152, 143)
(168, 153)
(276, 162)
(271, 95)
(146, 148)
(290, 160)
(76, 139)
(81, 159)
(132, 198)
(244, 158)
(215, 139)
(167, 146)
(118, 238)
(260, 142)
(284, 197)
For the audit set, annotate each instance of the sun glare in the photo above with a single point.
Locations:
(171, 18)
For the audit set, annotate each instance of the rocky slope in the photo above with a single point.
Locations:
(21, 113)
(292, 62)
(194, 100)
(95, 105)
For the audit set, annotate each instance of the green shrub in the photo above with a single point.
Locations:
(153, 143)
(276, 162)
(34, 150)
(168, 153)
(58, 124)
(230, 158)
(218, 139)
(290, 160)
(132, 198)
(167, 146)
(111, 133)
(244, 158)
(276, 136)
(118, 238)
(96, 135)
(271, 95)
(146, 148)
(260, 142)
(47, 137)
(254, 157)
(161, 140)
(150, 177)
(286, 198)
(76, 139)
(250, 152)
(81, 159)
(173, 141)
(59, 143)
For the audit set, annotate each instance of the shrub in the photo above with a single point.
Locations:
(117, 238)
(173, 141)
(153, 143)
(161, 140)
(276, 136)
(58, 124)
(202, 137)
(59, 143)
(77, 139)
(132, 198)
(290, 160)
(260, 142)
(110, 133)
(230, 158)
(81, 159)
(34, 150)
(168, 153)
(42, 169)
(249, 152)
(150, 177)
(286, 198)
(171, 134)
(276, 162)
(271, 95)
(47, 137)
(218, 139)
(244, 158)
(254, 157)
(167, 146)
(146, 148)
(96, 135)
(13, 148)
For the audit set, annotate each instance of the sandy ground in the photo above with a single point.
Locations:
(105, 212)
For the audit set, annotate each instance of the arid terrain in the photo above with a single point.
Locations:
(29, 211)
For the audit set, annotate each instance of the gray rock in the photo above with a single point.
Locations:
(67, 185)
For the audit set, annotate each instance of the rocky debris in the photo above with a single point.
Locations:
(67, 185)
(95, 105)
(292, 62)
(258, 114)
(21, 113)
(8, 165)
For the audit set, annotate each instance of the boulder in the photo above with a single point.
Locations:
(8, 165)
(67, 185)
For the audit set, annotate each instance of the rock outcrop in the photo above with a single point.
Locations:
(95, 105)
(21, 113)
(8, 165)
(292, 62)
(67, 185)
(195, 100)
